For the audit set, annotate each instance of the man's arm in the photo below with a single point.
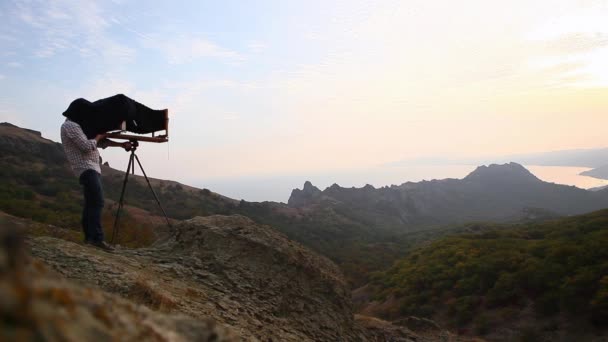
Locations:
(110, 143)
(75, 133)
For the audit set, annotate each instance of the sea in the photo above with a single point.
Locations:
(277, 188)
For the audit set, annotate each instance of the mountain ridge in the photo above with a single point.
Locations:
(512, 179)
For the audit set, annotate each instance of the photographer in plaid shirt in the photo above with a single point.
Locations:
(85, 161)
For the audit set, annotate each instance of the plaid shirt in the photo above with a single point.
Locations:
(81, 152)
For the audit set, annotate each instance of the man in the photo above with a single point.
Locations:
(84, 159)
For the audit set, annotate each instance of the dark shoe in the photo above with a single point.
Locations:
(102, 245)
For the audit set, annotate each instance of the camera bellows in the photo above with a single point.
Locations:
(108, 114)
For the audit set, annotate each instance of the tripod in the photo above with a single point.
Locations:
(131, 169)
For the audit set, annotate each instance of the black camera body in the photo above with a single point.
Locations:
(118, 114)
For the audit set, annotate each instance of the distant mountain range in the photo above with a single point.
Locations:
(599, 172)
(495, 193)
(579, 157)
(592, 158)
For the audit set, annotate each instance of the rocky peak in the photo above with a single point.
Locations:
(334, 186)
(307, 195)
(309, 188)
(505, 173)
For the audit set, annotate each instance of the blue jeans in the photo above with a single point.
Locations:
(93, 205)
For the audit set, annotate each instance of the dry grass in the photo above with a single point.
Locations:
(35, 229)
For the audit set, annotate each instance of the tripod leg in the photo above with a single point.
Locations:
(153, 193)
(122, 197)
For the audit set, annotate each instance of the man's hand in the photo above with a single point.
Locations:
(100, 137)
(127, 145)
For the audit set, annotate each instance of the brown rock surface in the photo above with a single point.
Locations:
(36, 304)
(243, 275)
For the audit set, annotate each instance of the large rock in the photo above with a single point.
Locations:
(288, 285)
(227, 268)
(38, 305)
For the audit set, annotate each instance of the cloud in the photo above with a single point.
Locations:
(14, 65)
(79, 26)
(8, 38)
(187, 48)
(575, 59)
(573, 43)
(106, 86)
(256, 46)
(229, 116)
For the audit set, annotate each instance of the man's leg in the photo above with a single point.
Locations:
(85, 211)
(85, 229)
(95, 202)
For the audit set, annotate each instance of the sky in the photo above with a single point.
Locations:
(268, 90)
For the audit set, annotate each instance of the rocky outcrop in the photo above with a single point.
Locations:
(225, 268)
(36, 304)
(308, 194)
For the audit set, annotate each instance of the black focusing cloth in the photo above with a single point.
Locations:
(107, 114)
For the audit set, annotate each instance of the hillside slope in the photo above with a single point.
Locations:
(549, 279)
(36, 182)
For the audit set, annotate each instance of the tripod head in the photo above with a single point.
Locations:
(134, 145)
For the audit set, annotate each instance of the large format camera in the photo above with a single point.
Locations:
(118, 115)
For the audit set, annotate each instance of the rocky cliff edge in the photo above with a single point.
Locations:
(244, 277)
(217, 278)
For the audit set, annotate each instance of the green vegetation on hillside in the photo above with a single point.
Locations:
(179, 203)
(43, 191)
(39, 185)
(557, 267)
